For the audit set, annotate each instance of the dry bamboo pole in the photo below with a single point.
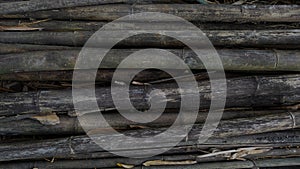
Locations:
(103, 75)
(38, 5)
(82, 147)
(273, 153)
(22, 48)
(225, 38)
(232, 59)
(112, 162)
(29, 124)
(238, 164)
(252, 91)
(191, 12)
(58, 25)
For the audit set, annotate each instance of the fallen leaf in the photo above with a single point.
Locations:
(125, 165)
(49, 119)
(161, 162)
(18, 28)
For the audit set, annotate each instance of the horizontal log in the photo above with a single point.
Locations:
(82, 146)
(29, 124)
(256, 91)
(225, 38)
(239, 164)
(38, 5)
(22, 48)
(112, 162)
(57, 25)
(191, 12)
(105, 76)
(232, 59)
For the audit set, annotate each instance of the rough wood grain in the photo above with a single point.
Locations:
(58, 25)
(256, 91)
(37, 5)
(225, 38)
(232, 59)
(83, 147)
(191, 12)
(68, 125)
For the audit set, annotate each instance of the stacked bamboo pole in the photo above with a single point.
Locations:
(258, 46)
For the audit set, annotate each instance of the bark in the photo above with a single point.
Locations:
(37, 5)
(232, 59)
(82, 147)
(224, 38)
(255, 92)
(29, 124)
(112, 162)
(191, 12)
(22, 48)
(57, 25)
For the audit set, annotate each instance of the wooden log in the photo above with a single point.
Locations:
(105, 76)
(83, 146)
(191, 12)
(232, 59)
(22, 48)
(30, 124)
(37, 5)
(57, 25)
(238, 164)
(225, 38)
(138, 163)
(256, 91)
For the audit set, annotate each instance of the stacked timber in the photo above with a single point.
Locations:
(257, 42)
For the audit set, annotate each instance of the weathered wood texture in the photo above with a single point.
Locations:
(22, 48)
(37, 5)
(256, 91)
(82, 147)
(235, 59)
(31, 124)
(225, 38)
(191, 12)
(138, 163)
(104, 75)
(57, 25)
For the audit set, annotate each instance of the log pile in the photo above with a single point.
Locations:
(258, 44)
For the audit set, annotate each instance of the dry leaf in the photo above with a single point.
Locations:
(161, 162)
(50, 119)
(18, 28)
(125, 165)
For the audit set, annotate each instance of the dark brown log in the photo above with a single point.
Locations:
(56, 25)
(37, 5)
(21, 48)
(112, 162)
(238, 164)
(191, 12)
(235, 59)
(103, 75)
(256, 91)
(238, 38)
(83, 146)
(29, 124)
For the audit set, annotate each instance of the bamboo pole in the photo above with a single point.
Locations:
(225, 38)
(256, 91)
(112, 162)
(22, 48)
(238, 164)
(232, 59)
(37, 5)
(191, 12)
(82, 147)
(30, 124)
(58, 25)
